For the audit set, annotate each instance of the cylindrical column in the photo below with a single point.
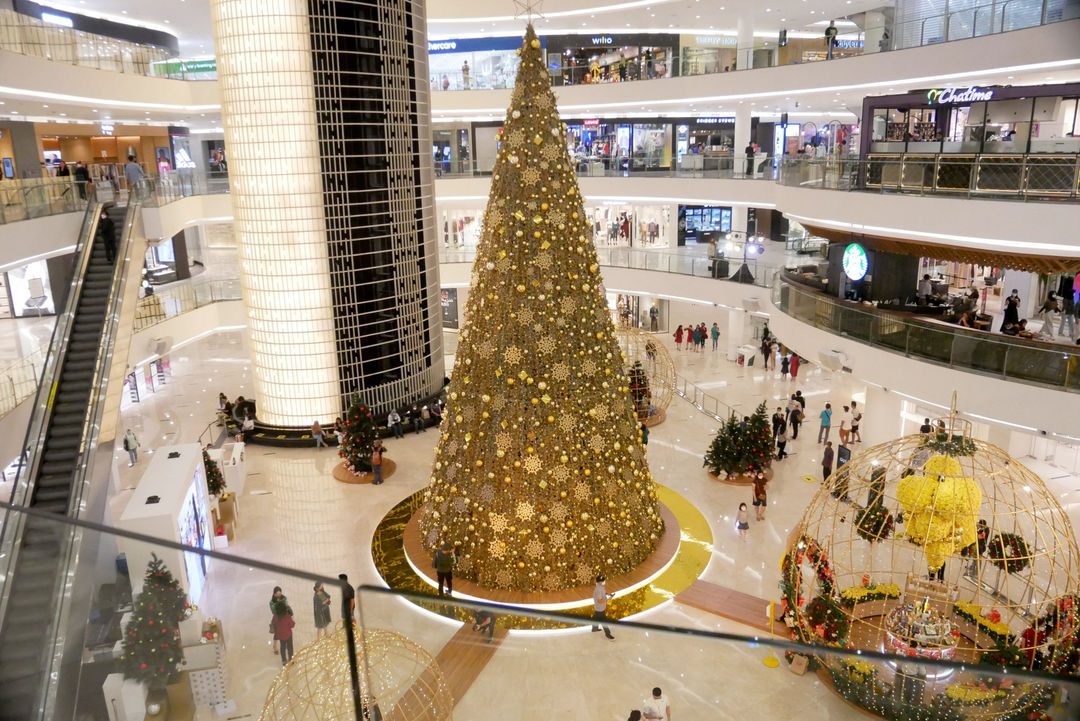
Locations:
(744, 50)
(736, 330)
(268, 109)
(325, 107)
(742, 139)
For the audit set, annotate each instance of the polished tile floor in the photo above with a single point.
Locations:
(293, 514)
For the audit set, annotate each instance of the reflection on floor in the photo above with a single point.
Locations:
(294, 514)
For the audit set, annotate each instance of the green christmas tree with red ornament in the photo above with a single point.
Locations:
(361, 432)
(742, 447)
(152, 650)
(215, 482)
(639, 390)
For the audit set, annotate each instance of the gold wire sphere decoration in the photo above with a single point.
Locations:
(936, 546)
(400, 677)
(639, 346)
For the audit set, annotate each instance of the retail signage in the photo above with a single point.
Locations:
(855, 262)
(849, 44)
(172, 68)
(106, 129)
(53, 19)
(470, 45)
(591, 122)
(958, 95)
(720, 40)
(730, 120)
(603, 40)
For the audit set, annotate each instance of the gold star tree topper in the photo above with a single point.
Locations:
(538, 415)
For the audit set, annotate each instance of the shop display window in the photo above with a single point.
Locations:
(31, 290)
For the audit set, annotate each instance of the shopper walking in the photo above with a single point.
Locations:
(795, 360)
(678, 337)
(761, 499)
(444, 568)
(394, 422)
(830, 39)
(283, 630)
(317, 434)
(742, 521)
(321, 607)
(106, 230)
(695, 336)
(781, 442)
(749, 162)
(1068, 315)
(827, 461)
(856, 419)
(275, 596)
(1012, 311)
(133, 172)
(766, 346)
(796, 420)
(1048, 311)
(82, 179)
(348, 598)
(600, 597)
(845, 426)
(715, 333)
(785, 365)
(777, 421)
(656, 708)
(131, 445)
(826, 424)
(376, 463)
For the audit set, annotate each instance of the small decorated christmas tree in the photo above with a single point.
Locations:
(215, 482)
(640, 394)
(152, 650)
(742, 447)
(361, 431)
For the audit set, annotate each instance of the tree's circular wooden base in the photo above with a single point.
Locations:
(742, 479)
(657, 561)
(344, 475)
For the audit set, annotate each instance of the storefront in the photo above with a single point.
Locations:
(35, 289)
(474, 63)
(644, 311)
(703, 223)
(105, 148)
(974, 120)
(611, 58)
(706, 54)
(617, 224)
(700, 142)
(451, 149)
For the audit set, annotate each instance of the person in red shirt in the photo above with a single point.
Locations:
(283, 626)
(678, 337)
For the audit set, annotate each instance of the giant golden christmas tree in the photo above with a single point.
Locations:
(540, 477)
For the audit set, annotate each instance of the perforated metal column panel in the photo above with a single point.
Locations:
(268, 108)
(326, 125)
(371, 98)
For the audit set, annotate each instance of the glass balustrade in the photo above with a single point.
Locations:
(415, 654)
(1014, 359)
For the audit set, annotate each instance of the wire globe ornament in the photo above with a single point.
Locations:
(936, 546)
(639, 346)
(395, 673)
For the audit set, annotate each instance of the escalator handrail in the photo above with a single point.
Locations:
(22, 492)
(83, 472)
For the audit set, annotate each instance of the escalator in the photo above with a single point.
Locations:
(60, 440)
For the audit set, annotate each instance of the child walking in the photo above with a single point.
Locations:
(742, 521)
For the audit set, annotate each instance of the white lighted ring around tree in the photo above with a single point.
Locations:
(268, 108)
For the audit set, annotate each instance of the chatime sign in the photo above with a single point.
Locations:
(958, 95)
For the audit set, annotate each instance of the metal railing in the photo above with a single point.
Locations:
(1034, 176)
(760, 166)
(162, 305)
(708, 404)
(1013, 359)
(760, 274)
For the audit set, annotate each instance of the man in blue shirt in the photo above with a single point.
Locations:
(132, 171)
(826, 424)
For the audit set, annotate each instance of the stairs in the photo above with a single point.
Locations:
(34, 596)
